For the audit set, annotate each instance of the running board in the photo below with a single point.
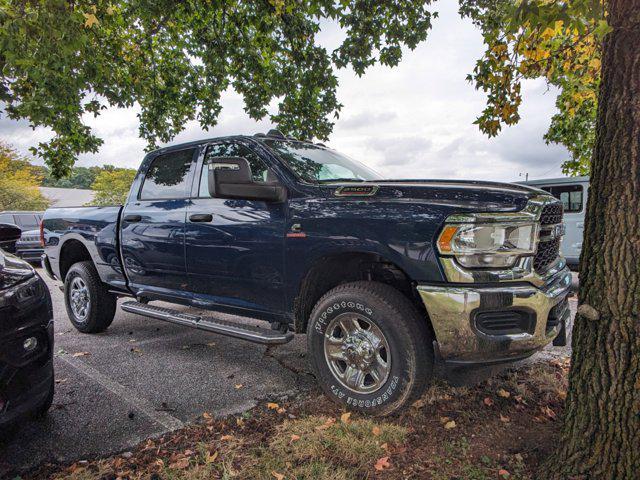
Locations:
(230, 329)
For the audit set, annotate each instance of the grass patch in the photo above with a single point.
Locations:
(320, 447)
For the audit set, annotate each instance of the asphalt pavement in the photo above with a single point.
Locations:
(141, 378)
(144, 377)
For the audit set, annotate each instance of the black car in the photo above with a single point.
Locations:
(26, 336)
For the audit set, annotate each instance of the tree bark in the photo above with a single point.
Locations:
(601, 432)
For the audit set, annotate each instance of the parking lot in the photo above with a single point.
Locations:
(143, 377)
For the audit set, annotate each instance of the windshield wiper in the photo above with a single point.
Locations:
(332, 180)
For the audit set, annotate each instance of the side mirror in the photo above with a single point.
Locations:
(9, 235)
(230, 177)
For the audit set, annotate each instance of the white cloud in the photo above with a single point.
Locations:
(412, 121)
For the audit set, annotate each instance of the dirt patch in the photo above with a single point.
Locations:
(502, 428)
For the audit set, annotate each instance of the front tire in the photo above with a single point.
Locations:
(90, 306)
(369, 348)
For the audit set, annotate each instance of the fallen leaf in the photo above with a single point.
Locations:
(90, 20)
(136, 350)
(444, 420)
(211, 344)
(180, 464)
(277, 476)
(503, 393)
(418, 403)
(238, 386)
(548, 412)
(503, 473)
(159, 462)
(385, 446)
(488, 401)
(61, 380)
(504, 419)
(206, 415)
(449, 425)
(281, 410)
(519, 399)
(273, 406)
(226, 437)
(209, 458)
(376, 431)
(327, 424)
(562, 395)
(344, 418)
(294, 437)
(188, 453)
(80, 354)
(239, 422)
(382, 463)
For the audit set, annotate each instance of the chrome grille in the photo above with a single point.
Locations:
(551, 214)
(548, 249)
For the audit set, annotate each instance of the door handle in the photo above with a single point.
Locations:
(132, 218)
(201, 217)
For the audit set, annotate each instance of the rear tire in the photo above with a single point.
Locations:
(370, 349)
(90, 306)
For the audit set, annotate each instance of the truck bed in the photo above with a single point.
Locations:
(96, 228)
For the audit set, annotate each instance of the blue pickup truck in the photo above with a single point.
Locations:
(386, 277)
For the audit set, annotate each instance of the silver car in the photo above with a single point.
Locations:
(28, 247)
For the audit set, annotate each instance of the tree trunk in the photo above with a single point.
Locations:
(601, 431)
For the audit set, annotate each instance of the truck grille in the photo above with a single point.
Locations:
(548, 250)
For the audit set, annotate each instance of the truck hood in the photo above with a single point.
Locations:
(467, 194)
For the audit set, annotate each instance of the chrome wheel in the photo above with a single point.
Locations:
(79, 299)
(357, 353)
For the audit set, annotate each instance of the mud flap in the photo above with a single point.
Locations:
(561, 338)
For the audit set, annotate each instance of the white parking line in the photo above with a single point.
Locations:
(164, 419)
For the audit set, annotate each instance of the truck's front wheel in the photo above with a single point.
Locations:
(369, 348)
(90, 306)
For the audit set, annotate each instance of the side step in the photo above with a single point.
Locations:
(231, 329)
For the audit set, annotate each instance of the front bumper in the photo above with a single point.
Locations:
(454, 312)
(26, 376)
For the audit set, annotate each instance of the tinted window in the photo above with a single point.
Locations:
(167, 176)
(259, 170)
(569, 195)
(27, 221)
(7, 218)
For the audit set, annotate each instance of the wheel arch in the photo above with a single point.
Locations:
(72, 251)
(331, 270)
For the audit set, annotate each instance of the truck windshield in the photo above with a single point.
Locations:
(317, 164)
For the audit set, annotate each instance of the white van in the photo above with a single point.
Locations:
(573, 192)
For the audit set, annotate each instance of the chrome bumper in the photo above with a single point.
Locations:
(452, 311)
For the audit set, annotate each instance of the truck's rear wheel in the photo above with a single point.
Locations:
(369, 348)
(90, 306)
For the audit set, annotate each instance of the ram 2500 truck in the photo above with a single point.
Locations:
(386, 277)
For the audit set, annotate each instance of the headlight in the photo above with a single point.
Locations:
(13, 271)
(488, 245)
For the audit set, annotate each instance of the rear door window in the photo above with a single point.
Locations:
(167, 176)
(571, 196)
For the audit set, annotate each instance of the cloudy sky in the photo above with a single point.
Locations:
(412, 121)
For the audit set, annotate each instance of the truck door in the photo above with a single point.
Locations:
(153, 222)
(235, 248)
